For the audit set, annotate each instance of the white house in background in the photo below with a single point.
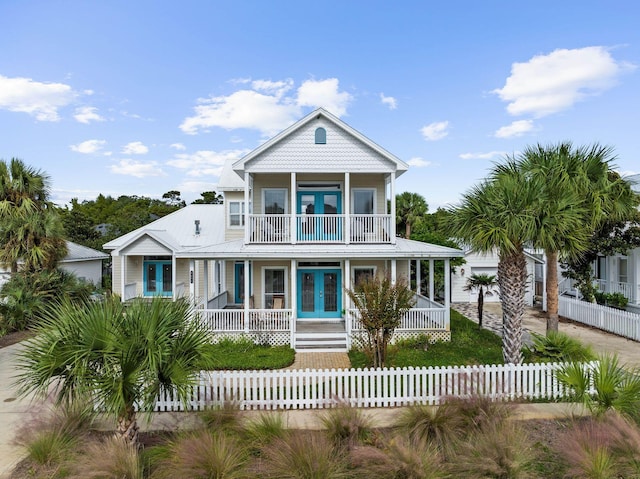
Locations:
(85, 263)
(479, 263)
(621, 273)
(304, 217)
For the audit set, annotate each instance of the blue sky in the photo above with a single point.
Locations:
(142, 97)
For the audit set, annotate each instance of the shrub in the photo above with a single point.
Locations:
(263, 430)
(431, 424)
(110, 458)
(346, 426)
(225, 417)
(557, 347)
(415, 459)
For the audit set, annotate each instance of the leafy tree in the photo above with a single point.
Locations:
(410, 208)
(118, 360)
(579, 194)
(173, 199)
(30, 228)
(484, 283)
(209, 198)
(381, 305)
(497, 215)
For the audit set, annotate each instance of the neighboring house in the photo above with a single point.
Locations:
(621, 273)
(479, 263)
(304, 217)
(85, 263)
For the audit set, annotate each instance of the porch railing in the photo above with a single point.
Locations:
(321, 228)
(615, 287)
(416, 319)
(130, 291)
(233, 320)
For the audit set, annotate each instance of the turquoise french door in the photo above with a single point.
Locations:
(320, 228)
(239, 283)
(319, 293)
(157, 278)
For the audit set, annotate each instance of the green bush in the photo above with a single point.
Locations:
(615, 300)
(557, 347)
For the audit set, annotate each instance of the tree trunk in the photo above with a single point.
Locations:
(480, 306)
(512, 279)
(128, 427)
(407, 231)
(552, 291)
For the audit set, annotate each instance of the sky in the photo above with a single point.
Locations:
(143, 97)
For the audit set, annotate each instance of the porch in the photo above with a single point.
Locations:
(629, 290)
(282, 327)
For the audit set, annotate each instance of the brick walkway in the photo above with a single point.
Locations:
(321, 361)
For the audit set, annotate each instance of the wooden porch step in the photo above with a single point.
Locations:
(321, 342)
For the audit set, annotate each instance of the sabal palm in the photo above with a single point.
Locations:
(119, 357)
(498, 214)
(410, 208)
(580, 191)
(484, 283)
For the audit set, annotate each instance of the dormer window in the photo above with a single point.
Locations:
(321, 136)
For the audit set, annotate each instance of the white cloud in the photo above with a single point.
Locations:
(205, 162)
(551, 83)
(278, 88)
(390, 101)
(139, 169)
(435, 131)
(517, 128)
(135, 148)
(482, 156)
(88, 147)
(178, 146)
(325, 94)
(86, 114)
(41, 100)
(418, 162)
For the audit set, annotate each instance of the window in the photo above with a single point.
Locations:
(622, 270)
(362, 274)
(363, 200)
(321, 136)
(274, 286)
(275, 201)
(236, 213)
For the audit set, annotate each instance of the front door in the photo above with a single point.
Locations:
(319, 293)
(317, 225)
(157, 278)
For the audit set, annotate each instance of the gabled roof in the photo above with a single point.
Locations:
(77, 252)
(229, 179)
(400, 166)
(177, 231)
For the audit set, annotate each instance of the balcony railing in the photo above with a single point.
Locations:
(615, 287)
(319, 228)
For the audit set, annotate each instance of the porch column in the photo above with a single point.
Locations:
(174, 265)
(347, 207)
(247, 295)
(431, 285)
(392, 220)
(206, 283)
(123, 265)
(347, 300)
(192, 280)
(292, 209)
(247, 178)
(447, 290)
(418, 276)
(294, 300)
(393, 270)
(544, 284)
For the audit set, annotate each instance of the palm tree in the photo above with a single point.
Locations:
(30, 228)
(579, 193)
(118, 359)
(497, 214)
(483, 283)
(410, 208)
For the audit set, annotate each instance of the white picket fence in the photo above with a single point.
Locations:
(616, 321)
(313, 389)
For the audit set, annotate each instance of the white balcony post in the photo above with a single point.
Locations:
(347, 207)
(393, 271)
(347, 300)
(392, 220)
(206, 284)
(293, 233)
(447, 290)
(174, 285)
(247, 295)
(431, 285)
(247, 179)
(418, 276)
(294, 301)
(192, 280)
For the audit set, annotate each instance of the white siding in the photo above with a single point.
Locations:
(90, 271)
(147, 246)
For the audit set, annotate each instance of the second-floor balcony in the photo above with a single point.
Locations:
(318, 228)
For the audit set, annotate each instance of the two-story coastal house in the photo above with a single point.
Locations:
(305, 215)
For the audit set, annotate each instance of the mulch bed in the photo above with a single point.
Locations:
(15, 337)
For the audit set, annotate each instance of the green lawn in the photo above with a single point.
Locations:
(244, 354)
(469, 345)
